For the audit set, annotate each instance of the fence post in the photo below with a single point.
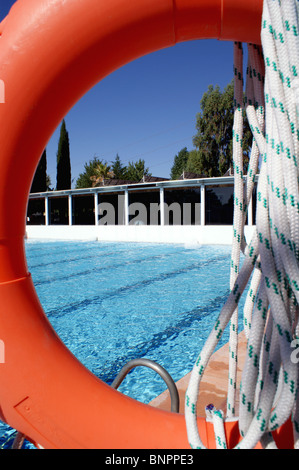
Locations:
(70, 206)
(47, 218)
(202, 204)
(96, 208)
(126, 207)
(162, 211)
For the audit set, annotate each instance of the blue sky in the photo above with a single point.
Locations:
(147, 109)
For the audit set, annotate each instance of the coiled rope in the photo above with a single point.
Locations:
(268, 390)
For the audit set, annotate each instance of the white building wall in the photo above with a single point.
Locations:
(186, 234)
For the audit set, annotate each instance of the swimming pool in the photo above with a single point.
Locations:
(113, 302)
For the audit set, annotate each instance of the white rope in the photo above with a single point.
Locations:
(270, 378)
(216, 417)
(238, 223)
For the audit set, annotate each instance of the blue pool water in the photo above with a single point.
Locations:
(113, 302)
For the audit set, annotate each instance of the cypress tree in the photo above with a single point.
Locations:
(39, 183)
(63, 177)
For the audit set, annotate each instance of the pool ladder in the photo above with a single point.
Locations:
(174, 394)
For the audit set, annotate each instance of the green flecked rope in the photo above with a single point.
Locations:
(268, 391)
(238, 223)
(216, 417)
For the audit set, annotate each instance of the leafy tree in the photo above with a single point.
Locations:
(136, 171)
(118, 168)
(84, 179)
(63, 160)
(40, 180)
(96, 170)
(193, 163)
(101, 172)
(179, 164)
(213, 140)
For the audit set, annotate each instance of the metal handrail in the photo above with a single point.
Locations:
(174, 394)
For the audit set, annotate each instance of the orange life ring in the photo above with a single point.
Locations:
(51, 53)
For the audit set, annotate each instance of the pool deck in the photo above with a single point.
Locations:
(213, 387)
